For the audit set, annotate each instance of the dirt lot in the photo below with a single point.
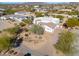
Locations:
(4, 24)
(43, 44)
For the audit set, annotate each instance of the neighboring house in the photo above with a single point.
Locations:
(40, 9)
(1, 13)
(2, 9)
(48, 23)
(18, 16)
(14, 17)
(36, 6)
(57, 8)
(68, 10)
(22, 13)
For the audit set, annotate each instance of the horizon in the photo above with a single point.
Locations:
(28, 2)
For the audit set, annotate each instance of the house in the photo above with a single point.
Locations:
(18, 16)
(41, 10)
(57, 8)
(23, 13)
(13, 17)
(36, 6)
(2, 9)
(48, 23)
(68, 10)
(1, 13)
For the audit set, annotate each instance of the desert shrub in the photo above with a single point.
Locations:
(27, 21)
(65, 42)
(72, 22)
(5, 42)
(9, 11)
(22, 24)
(39, 14)
(37, 29)
(60, 17)
(13, 30)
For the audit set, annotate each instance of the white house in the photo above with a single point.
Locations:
(36, 6)
(66, 10)
(18, 18)
(2, 9)
(22, 13)
(40, 10)
(48, 23)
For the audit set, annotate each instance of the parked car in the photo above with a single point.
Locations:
(28, 54)
(18, 42)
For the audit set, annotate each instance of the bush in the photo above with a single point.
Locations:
(73, 13)
(65, 42)
(5, 42)
(37, 29)
(12, 30)
(40, 37)
(9, 11)
(60, 17)
(39, 14)
(27, 21)
(72, 22)
(22, 24)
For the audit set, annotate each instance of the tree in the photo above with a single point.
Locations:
(60, 17)
(66, 42)
(72, 22)
(37, 29)
(27, 21)
(22, 24)
(9, 11)
(39, 14)
(73, 13)
(12, 30)
(5, 42)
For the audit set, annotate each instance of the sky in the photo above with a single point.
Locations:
(54, 2)
(39, 0)
(22, 2)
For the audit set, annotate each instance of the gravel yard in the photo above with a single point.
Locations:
(4, 24)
